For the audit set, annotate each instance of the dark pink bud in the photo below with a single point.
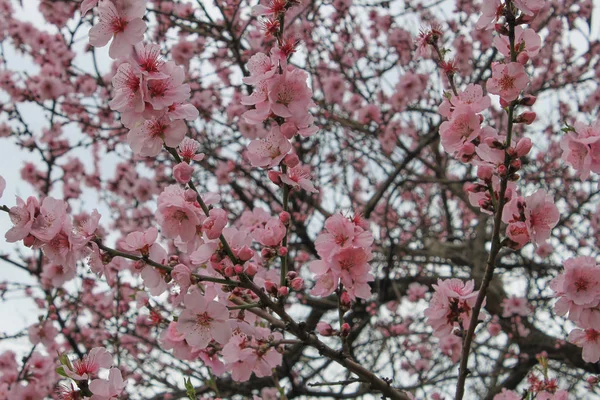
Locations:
(291, 275)
(284, 217)
(345, 329)
(229, 271)
(515, 164)
(324, 329)
(528, 100)
(523, 57)
(283, 291)
(282, 251)
(502, 170)
(345, 300)
(267, 252)
(504, 103)
(275, 177)
(501, 29)
(270, 287)
(526, 118)
(245, 253)
(239, 269)
(468, 148)
(251, 269)
(297, 284)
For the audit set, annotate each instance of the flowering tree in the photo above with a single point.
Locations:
(302, 199)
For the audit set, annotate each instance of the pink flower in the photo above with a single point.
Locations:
(129, 95)
(527, 41)
(272, 234)
(463, 127)
(515, 306)
(451, 345)
(188, 150)
(537, 213)
(326, 279)
(214, 224)
(581, 283)
(90, 365)
(176, 216)
(529, 7)
(50, 219)
(451, 306)
(182, 172)
(589, 339)
(299, 177)
(471, 96)
(351, 264)
(126, 26)
(112, 388)
(44, 333)
(147, 58)
(581, 148)
(203, 321)
(162, 93)
(22, 216)
(289, 95)
(270, 151)
(148, 138)
(491, 11)
(140, 242)
(261, 67)
(508, 80)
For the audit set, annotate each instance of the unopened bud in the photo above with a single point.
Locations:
(283, 291)
(528, 100)
(297, 284)
(251, 269)
(284, 217)
(345, 329)
(324, 329)
(345, 300)
(523, 147)
(502, 171)
(501, 29)
(282, 251)
(229, 271)
(275, 177)
(291, 275)
(239, 269)
(270, 287)
(245, 253)
(526, 118)
(523, 57)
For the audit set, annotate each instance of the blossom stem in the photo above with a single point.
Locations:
(496, 242)
(200, 278)
(284, 242)
(205, 209)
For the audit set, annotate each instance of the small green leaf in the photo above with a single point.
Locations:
(61, 371)
(190, 389)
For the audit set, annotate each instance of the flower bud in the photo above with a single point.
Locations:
(502, 171)
(238, 269)
(283, 291)
(324, 329)
(523, 147)
(251, 269)
(526, 118)
(245, 253)
(284, 217)
(345, 300)
(523, 57)
(229, 271)
(270, 287)
(345, 329)
(182, 172)
(528, 100)
(501, 29)
(291, 275)
(297, 284)
(282, 251)
(275, 177)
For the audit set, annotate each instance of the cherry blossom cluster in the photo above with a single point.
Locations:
(83, 371)
(281, 97)
(450, 307)
(581, 148)
(578, 293)
(345, 251)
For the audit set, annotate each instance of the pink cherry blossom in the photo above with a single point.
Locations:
(270, 151)
(508, 80)
(176, 215)
(529, 7)
(148, 138)
(527, 41)
(581, 282)
(507, 395)
(203, 321)
(50, 219)
(472, 96)
(463, 127)
(127, 28)
(90, 365)
(183, 172)
(214, 224)
(22, 216)
(129, 95)
(589, 339)
(299, 177)
(108, 389)
(491, 11)
(162, 93)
